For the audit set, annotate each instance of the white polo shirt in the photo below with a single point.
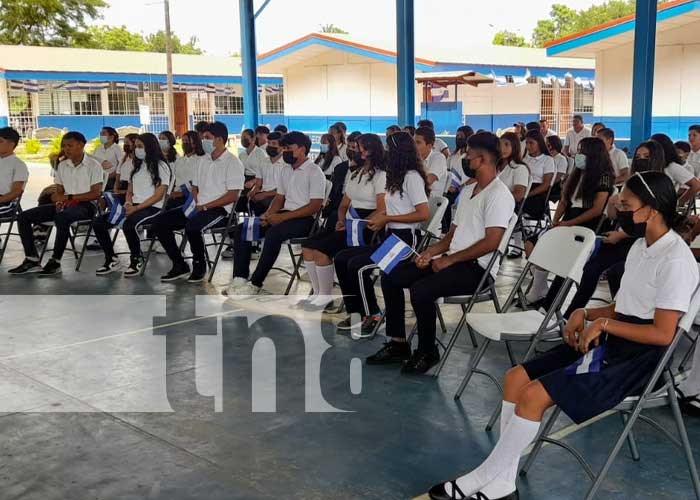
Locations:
(401, 204)
(270, 174)
(12, 170)
(515, 174)
(253, 161)
(661, 276)
(142, 186)
(337, 160)
(561, 164)
(539, 166)
(619, 160)
(550, 133)
(678, 174)
(112, 154)
(439, 145)
(184, 169)
(343, 151)
(79, 179)
(214, 178)
(124, 169)
(492, 207)
(573, 138)
(301, 185)
(694, 161)
(436, 164)
(363, 192)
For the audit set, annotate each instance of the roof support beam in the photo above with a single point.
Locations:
(643, 72)
(405, 62)
(249, 64)
(262, 7)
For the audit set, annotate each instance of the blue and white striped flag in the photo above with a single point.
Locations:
(592, 362)
(390, 253)
(116, 214)
(456, 179)
(354, 231)
(251, 229)
(352, 213)
(189, 208)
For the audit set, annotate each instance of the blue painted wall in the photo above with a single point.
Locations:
(3, 121)
(89, 125)
(444, 115)
(676, 127)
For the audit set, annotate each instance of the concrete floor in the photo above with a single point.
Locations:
(113, 388)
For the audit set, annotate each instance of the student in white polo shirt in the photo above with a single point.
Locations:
(561, 166)
(109, 155)
(252, 156)
(148, 184)
(300, 194)
(339, 131)
(126, 165)
(694, 155)
(631, 335)
(454, 265)
(439, 145)
(216, 184)
(185, 167)
(434, 162)
(13, 171)
(79, 181)
(545, 130)
(574, 135)
(542, 170)
(620, 163)
(686, 184)
(268, 177)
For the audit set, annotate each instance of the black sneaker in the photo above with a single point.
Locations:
(369, 325)
(348, 324)
(27, 267)
(135, 267)
(52, 268)
(199, 272)
(93, 246)
(420, 362)
(391, 353)
(176, 273)
(111, 265)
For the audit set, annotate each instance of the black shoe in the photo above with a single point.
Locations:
(369, 325)
(94, 246)
(347, 323)
(111, 265)
(134, 268)
(438, 492)
(199, 272)
(514, 254)
(391, 353)
(177, 272)
(420, 362)
(27, 267)
(52, 268)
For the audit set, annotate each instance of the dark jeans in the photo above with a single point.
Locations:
(425, 287)
(166, 223)
(130, 229)
(62, 221)
(274, 236)
(259, 207)
(354, 270)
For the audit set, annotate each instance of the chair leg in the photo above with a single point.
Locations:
(46, 244)
(453, 339)
(147, 258)
(6, 240)
(683, 434)
(544, 432)
(441, 319)
(212, 267)
(82, 251)
(681, 366)
(473, 363)
(631, 441)
(295, 272)
(72, 235)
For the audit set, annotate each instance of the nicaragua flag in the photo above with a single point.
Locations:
(592, 362)
(251, 229)
(390, 253)
(456, 179)
(116, 214)
(354, 231)
(189, 208)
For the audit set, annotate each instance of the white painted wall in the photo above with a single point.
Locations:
(4, 104)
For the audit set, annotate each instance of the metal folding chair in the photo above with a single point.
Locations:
(218, 234)
(541, 223)
(630, 410)
(8, 216)
(73, 234)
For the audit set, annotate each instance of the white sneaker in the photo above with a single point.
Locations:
(158, 248)
(249, 289)
(236, 285)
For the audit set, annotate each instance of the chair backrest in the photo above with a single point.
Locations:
(128, 129)
(503, 245)
(437, 206)
(686, 322)
(564, 251)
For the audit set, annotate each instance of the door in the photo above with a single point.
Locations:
(181, 115)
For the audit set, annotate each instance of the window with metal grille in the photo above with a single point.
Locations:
(123, 101)
(201, 110)
(21, 116)
(228, 104)
(275, 102)
(155, 100)
(70, 102)
(583, 98)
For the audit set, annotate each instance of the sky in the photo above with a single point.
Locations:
(446, 22)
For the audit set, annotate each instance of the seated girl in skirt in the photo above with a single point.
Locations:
(515, 174)
(406, 202)
(543, 172)
(660, 278)
(364, 196)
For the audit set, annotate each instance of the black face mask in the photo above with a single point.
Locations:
(641, 165)
(461, 143)
(288, 157)
(272, 151)
(627, 224)
(468, 170)
(245, 143)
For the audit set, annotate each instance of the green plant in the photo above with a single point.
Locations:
(55, 145)
(94, 144)
(32, 146)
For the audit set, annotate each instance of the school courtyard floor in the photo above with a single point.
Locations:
(130, 389)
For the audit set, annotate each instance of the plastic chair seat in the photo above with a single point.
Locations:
(521, 324)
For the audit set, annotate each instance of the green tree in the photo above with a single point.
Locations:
(47, 22)
(332, 28)
(156, 43)
(114, 38)
(509, 38)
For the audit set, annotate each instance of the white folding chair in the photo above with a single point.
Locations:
(485, 291)
(659, 392)
(8, 215)
(562, 251)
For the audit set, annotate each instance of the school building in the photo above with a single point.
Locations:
(328, 78)
(676, 99)
(85, 89)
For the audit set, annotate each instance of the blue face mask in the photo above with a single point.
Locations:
(103, 139)
(164, 144)
(324, 148)
(208, 146)
(580, 161)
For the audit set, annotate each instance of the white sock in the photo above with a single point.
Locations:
(311, 271)
(517, 435)
(539, 285)
(507, 412)
(325, 279)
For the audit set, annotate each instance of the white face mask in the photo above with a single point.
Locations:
(208, 146)
(140, 153)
